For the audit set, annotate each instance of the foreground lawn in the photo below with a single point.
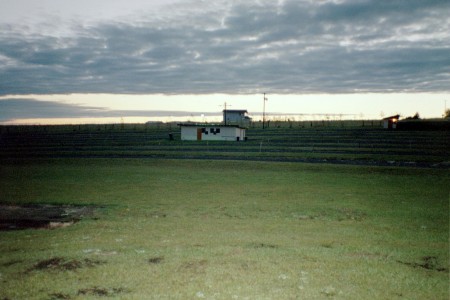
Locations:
(168, 229)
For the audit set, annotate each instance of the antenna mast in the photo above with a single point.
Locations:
(264, 109)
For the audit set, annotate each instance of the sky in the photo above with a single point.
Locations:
(91, 61)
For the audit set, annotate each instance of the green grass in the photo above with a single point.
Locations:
(230, 230)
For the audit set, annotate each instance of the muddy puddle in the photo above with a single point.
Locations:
(17, 217)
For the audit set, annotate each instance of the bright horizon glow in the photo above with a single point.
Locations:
(305, 106)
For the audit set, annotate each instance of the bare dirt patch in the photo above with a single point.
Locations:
(99, 291)
(59, 296)
(195, 266)
(90, 292)
(263, 246)
(62, 264)
(11, 263)
(428, 263)
(155, 260)
(16, 217)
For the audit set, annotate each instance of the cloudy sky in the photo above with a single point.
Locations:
(136, 58)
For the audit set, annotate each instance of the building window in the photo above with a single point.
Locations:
(214, 130)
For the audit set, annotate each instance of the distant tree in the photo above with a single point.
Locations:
(447, 113)
(415, 117)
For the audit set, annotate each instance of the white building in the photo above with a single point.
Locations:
(236, 116)
(211, 132)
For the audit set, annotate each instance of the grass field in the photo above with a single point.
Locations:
(327, 142)
(224, 229)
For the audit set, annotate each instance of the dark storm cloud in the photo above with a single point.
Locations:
(29, 108)
(11, 109)
(247, 47)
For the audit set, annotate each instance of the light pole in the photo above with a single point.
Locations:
(264, 109)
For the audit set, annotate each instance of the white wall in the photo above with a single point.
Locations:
(189, 133)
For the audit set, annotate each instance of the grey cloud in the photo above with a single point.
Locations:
(292, 47)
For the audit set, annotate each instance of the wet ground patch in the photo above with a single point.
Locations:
(41, 216)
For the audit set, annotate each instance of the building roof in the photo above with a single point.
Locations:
(392, 117)
(235, 110)
(207, 125)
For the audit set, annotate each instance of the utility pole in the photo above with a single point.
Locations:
(225, 113)
(264, 109)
